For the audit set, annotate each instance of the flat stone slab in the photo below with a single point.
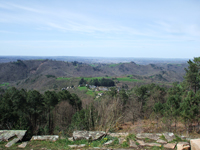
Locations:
(118, 134)
(12, 142)
(183, 146)
(161, 141)
(23, 145)
(88, 135)
(132, 144)
(7, 134)
(153, 144)
(45, 138)
(142, 143)
(108, 143)
(169, 145)
(169, 136)
(195, 144)
(152, 136)
(73, 146)
(70, 139)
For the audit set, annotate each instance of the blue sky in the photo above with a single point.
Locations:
(119, 28)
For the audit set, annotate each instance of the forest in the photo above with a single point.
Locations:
(63, 112)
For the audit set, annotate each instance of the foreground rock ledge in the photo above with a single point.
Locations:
(88, 135)
(5, 135)
(45, 138)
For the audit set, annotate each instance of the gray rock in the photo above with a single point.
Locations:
(152, 136)
(108, 143)
(7, 134)
(132, 144)
(88, 135)
(81, 146)
(161, 141)
(23, 145)
(12, 142)
(169, 145)
(71, 139)
(45, 138)
(169, 136)
(142, 143)
(72, 146)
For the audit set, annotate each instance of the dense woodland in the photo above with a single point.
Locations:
(55, 112)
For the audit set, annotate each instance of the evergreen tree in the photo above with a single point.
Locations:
(192, 76)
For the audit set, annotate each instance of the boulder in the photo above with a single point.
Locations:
(88, 135)
(45, 138)
(195, 144)
(152, 136)
(183, 146)
(132, 144)
(7, 134)
(169, 136)
(169, 145)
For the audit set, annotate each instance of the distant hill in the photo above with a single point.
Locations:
(48, 74)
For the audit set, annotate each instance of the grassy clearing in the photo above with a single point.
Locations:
(82, 88)
(62, 78)
(91, 93)
(4, 84)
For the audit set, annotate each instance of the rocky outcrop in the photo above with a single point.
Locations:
(5, 135)
(88, 135)
(169, 136)
(152, 136)
(52, 138)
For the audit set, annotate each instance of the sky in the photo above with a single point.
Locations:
(100, 28)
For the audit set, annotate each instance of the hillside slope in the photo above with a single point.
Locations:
(20, 70)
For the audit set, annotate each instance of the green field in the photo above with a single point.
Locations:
(82, 88)
(91, 93)
(127, 79)
(4, 84)
(62, 78)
